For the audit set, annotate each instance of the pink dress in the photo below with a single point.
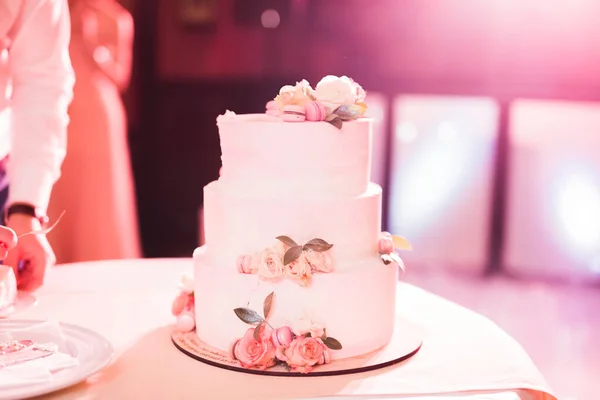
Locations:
(96, 186)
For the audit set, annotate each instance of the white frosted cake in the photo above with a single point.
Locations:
(295, 269)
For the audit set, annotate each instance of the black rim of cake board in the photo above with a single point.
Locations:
(315, 372)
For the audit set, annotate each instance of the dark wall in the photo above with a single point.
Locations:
(184, 76)
(184, 156)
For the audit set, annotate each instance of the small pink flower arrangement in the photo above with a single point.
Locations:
(334, 100)
(183, 306)
(388, 246)
(287, 259)
(263, 346)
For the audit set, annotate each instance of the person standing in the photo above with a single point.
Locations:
(36, 86)
(96, 187)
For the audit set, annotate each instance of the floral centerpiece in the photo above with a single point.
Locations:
(288, 259)
(184, 304)
(334, 100)
(299, 348)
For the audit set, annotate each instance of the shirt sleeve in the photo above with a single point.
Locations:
(42, 79)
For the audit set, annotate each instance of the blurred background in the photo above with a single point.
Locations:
(486, 142)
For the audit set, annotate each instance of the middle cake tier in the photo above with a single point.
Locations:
(235, 225)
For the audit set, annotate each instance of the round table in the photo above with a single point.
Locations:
(129, 301)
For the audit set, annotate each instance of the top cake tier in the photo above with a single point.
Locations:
(309, 142)
(266, 156)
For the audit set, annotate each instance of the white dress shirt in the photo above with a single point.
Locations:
(36, 87)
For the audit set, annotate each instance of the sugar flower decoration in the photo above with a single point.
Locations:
(299, 348)
(334, 100)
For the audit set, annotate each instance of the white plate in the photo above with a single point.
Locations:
(92, 350)
(24, 300)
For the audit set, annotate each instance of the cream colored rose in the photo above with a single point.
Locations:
(333, 91)
(270, 264)
(299, 270)
(301, 94)
(280, 248)
(319, 261)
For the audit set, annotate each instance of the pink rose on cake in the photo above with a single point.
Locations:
(386, 243)
(184, 304)
(299, 270)
(255, 353)
(180, 303)
(333, 91)
(319, 261)
(270, 265)
(304, 353)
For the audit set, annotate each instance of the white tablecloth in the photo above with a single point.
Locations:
(464, 356)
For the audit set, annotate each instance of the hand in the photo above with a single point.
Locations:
(33, 252)
(8, 241)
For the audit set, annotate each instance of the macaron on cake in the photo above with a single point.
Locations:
(272, 108)
(293, 113)
(334, 100)
(315, 111)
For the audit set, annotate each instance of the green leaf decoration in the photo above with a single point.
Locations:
(318, 245)
(337, 122)
(287, 241)
(332, 343)
(248, 316)
(401, 243)
(331, 117)
(257, 331)
(386, 259)
(350, 112)
(292, 254)
(267, 304)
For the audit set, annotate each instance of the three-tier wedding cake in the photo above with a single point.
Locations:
(295, 269)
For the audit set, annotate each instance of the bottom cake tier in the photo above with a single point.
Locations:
(352, 310)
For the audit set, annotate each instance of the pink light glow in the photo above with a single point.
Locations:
(440, 191)
(553, 204)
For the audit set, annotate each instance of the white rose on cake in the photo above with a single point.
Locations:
(333, 91)
(308, 323)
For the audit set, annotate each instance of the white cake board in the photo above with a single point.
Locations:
(405, 343)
